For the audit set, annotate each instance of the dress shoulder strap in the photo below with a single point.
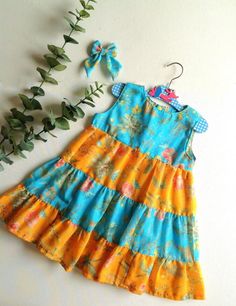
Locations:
(128, 90)
(117, 89)
(197, 121)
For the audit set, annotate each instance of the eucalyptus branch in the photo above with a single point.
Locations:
(69, 112)
(18, 121)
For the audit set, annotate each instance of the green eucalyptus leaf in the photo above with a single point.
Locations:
(15, 123)
(51, 55)
(84, 14)
(1, 168)
(26, 101)
(56, 50)
(99, 89)
(7, 160)
(42, 72)
(89, 98)
(89, 7)
(72, 13)
(35, 104)
(4, 157)
(51, 80)
(67, 111)
(37, 91)
(39, 137)
(18, 151)
(89, 103)
(63, 107)
(62, 123)
(52, 62)
(71, 23)
(83, 3)
(26, 146)
(69, 39)
(64, 57)
(60, 67)
(29, 134)
(47, 124)
(5, 132)
(30, 104)
(80, 112)
(78, 28)
(96, 94)
(21, 116)
(73, 111)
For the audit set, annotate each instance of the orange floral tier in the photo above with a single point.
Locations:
(97, 258)
(119, 167)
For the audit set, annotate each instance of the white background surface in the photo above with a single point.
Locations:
(199, 34)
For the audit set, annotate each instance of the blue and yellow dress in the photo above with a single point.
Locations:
(118, 203)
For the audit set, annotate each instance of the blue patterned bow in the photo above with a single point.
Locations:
(108, 55)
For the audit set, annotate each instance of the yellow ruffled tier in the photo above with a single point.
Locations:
(132, 173)
(98, 259)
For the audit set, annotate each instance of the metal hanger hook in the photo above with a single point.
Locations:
(177, 63)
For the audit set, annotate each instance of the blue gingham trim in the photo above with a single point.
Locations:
(117, 89)
(201, 126)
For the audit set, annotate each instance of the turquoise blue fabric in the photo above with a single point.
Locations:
(98, 53)
(113, 215)
(129, 122)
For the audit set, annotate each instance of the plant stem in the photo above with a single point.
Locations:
(80, 101)
(91, 94)
(9, 153)
(43, 81)
(3, 139)
(50, 68)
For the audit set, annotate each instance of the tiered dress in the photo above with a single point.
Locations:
(118, 203)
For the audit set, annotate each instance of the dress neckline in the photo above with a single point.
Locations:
(161, 108)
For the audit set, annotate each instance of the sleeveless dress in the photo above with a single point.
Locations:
(118, 203)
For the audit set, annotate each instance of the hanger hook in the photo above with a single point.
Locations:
(178, 75)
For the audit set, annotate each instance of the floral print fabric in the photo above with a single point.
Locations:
(156, 130)
(118, 203)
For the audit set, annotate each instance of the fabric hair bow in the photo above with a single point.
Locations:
(107, 55)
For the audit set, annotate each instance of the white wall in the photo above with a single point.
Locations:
(199, 34)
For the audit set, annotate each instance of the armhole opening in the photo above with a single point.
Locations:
(189, 145)
(114, 104)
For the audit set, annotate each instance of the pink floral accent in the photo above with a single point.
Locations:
(127, 189)
(181, 166)
(60, 163)
(152, 91)
(161, 215)
(98, 48)
(143, 287)
(87, 184)
(14, 226)
(32, 218)
(168, 154)
(179, 182)
(169, 96)
(109, 260)
(121, 151)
